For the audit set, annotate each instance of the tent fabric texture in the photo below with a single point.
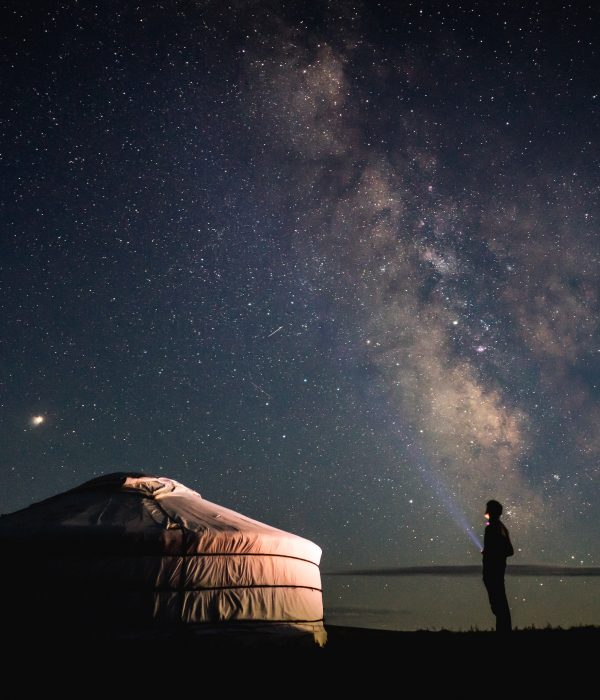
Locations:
(133, 550)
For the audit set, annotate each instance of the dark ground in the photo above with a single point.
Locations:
(482, 664)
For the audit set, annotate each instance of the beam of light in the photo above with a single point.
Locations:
(431, 479)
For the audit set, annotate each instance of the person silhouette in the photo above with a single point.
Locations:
(496, 548)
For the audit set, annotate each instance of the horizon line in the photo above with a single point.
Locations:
(472, 569)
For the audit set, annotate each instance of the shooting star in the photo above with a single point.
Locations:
(275, 331)
(259, 388)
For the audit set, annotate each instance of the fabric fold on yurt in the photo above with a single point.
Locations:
(142, 550)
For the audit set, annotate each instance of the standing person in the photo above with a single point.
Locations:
(496, 547)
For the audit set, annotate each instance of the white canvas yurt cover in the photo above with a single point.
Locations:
(131, 549)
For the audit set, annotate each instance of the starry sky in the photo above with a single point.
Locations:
(331, 264)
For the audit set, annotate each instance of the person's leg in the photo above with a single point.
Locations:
(502, 611)
(498, 602)
(489, 587)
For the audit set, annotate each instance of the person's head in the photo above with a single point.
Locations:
(493, 510)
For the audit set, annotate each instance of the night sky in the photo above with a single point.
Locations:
(331, 264)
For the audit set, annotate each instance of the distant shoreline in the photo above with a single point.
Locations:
(472, 570)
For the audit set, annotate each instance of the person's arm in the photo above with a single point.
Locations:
(486, 540)
(508, 544)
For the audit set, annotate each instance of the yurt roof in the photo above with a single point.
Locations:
(150, 509)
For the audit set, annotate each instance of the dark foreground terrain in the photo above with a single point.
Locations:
(477, 664)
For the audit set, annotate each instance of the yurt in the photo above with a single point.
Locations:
(141, 554)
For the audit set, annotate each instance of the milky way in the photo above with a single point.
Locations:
(333, 265)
